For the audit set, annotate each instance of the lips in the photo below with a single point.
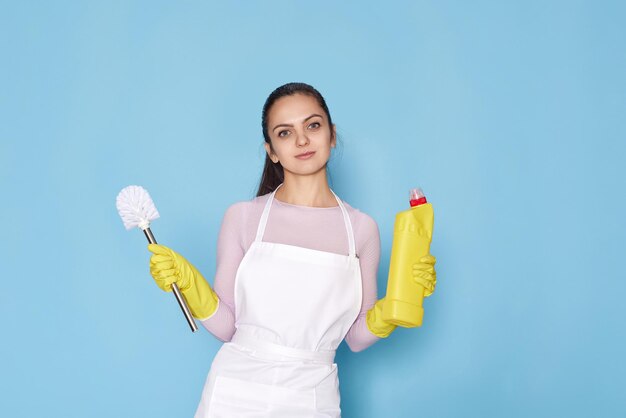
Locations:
(305, 155)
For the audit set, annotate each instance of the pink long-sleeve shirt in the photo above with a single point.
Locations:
(304, 226)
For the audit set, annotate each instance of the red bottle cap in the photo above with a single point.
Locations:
(416, 197)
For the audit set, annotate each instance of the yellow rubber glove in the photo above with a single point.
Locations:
(375, 322)
(423, 273)
(167, 267)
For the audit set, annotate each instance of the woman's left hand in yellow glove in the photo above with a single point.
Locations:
(424, 274)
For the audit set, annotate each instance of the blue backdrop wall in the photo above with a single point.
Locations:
(509, 114)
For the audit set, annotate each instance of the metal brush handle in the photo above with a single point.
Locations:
(179, 297)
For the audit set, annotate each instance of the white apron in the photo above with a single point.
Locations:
(293, 306)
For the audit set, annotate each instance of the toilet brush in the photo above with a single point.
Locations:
(137, 210)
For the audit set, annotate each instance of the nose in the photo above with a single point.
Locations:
(302, 140)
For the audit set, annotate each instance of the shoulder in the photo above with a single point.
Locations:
(366, 234)
(364, 225)
(243, 210)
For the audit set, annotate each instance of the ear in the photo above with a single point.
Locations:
(333, 140)
(270, 153)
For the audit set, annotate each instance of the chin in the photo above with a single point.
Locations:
(305, 171)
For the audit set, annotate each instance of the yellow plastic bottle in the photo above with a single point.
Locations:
(412, 234)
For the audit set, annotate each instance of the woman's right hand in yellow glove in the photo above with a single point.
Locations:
(167, 267)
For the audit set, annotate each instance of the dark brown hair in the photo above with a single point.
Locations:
(273, 173)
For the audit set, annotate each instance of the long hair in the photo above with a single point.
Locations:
(273, 174)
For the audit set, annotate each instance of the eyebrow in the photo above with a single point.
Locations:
(288, 125)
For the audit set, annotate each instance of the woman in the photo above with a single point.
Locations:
(296, 274)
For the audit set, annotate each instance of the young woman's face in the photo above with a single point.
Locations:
(300, 134)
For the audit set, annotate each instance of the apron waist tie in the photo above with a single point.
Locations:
(252, 343)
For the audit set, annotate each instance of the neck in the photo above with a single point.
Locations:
(310, 190)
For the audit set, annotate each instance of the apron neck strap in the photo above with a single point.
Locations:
(348, 223)
(346, 218)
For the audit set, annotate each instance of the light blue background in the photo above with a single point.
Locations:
(509, 114)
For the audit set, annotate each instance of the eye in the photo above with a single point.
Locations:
(283, 134)
(314, 125)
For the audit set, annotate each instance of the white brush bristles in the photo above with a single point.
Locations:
(136, 207)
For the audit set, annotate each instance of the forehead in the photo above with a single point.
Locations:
(293, 108)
